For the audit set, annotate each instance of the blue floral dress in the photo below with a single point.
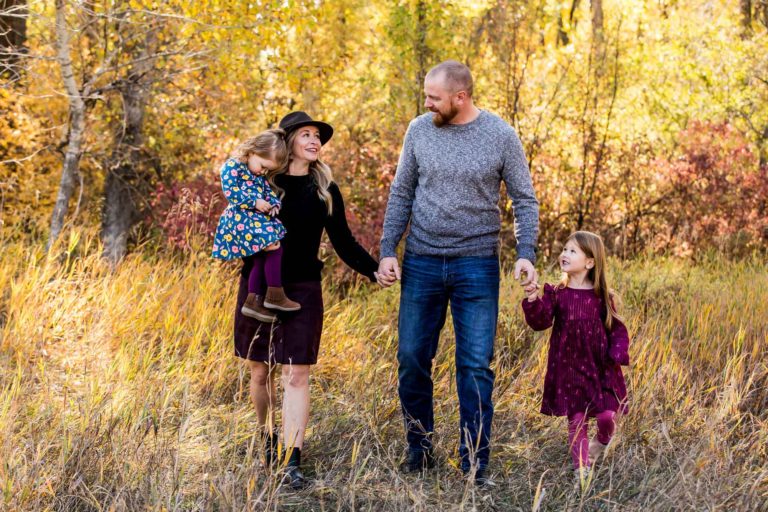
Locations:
(243, 230)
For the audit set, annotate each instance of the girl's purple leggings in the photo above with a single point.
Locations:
(578, 438)
(265, 264)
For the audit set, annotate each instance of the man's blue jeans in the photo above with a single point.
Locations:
(471, 286)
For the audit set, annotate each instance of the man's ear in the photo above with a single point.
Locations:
(461, 96)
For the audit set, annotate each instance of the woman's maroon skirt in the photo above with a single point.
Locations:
(294, 338)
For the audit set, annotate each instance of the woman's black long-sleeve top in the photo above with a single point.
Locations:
(305, 216)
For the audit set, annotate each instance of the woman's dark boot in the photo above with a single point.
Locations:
(269, 441)
(296, 478)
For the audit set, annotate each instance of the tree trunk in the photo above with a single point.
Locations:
(597, 22)
(122, 189)
(70, 170)
(745, 6)
(562, 33)
(422, 51)
(120, 211)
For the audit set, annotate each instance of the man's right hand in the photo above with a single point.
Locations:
(389, 272)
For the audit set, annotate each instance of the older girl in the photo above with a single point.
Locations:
(588, 344)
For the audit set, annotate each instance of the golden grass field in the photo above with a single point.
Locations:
(120, 391)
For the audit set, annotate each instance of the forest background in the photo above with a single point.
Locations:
(644, 121)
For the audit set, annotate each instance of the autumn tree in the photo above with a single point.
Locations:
(76, 124)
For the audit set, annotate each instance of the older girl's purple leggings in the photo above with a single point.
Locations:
(578, 437)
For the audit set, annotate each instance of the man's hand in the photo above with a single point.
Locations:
(388, 273)
(523, 266)
(263, 206)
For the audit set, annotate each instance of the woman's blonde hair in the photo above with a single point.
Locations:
(593, 248)
(269, 144)
(319, 170)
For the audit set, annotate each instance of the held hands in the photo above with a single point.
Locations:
(529, 281)
(532, 291)
(388, 273)
(523, 266)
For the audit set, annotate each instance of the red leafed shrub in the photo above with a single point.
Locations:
(718, 192)
(365, 213)
(188, 212)
(364, 175)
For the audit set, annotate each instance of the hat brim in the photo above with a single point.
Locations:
(326, 130)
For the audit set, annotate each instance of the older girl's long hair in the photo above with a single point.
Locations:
(593, 248)
(319, 170)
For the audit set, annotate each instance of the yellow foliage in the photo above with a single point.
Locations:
(27, 169)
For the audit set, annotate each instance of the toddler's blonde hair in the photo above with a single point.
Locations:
(269, 144)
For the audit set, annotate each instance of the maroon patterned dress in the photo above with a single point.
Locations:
(583, 365)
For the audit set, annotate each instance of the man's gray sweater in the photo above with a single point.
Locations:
(447, 184)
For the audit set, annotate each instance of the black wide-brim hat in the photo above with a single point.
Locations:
(297, 119)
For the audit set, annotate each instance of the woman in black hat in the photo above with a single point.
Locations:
(311, 203)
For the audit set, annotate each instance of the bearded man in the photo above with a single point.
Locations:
(447, 187)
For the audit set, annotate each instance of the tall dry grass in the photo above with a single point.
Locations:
(120, 392)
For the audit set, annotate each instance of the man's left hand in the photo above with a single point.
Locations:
(523, 266)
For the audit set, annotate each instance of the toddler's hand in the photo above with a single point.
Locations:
(263, 206)
(532, 291)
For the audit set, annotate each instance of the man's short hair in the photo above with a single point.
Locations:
(456, 75)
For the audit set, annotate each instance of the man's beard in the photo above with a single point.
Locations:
(440, 119)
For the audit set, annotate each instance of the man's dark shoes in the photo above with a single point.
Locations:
(482, 479)
(417, 462)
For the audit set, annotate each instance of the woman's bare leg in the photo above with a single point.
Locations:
(262, 390)
(295, 404)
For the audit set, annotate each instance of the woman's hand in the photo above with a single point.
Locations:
(274, 211)
(263, 206)
(388, 273)
(532, 291)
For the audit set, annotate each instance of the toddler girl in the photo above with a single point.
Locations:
(587, 345)
(249, 226)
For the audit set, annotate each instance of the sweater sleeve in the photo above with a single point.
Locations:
(344, 242)
(269, 195)
(401, 195)
(517, 178)
(540, 313)
(618, 342)
(234, 187)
